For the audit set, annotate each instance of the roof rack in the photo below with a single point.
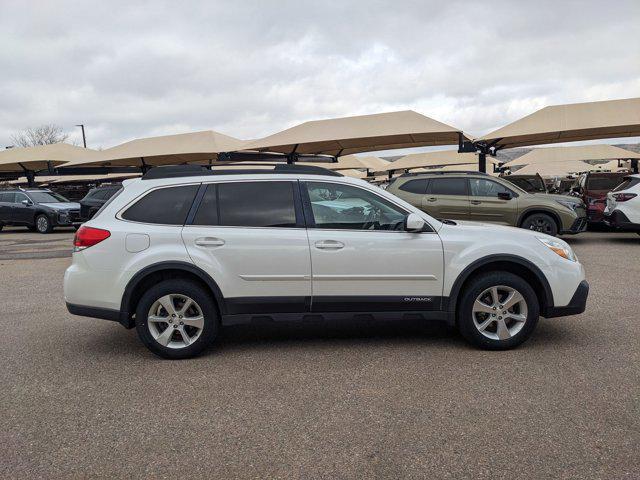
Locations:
(176, 171)
(452, 172)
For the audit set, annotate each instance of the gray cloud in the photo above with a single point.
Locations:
(132, 69)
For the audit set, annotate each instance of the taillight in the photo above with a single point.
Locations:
(88, 236)
(623, 197)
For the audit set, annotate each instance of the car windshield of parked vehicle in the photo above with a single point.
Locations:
(530, 185)
(352, 208)
(608, 182)
(46, 197)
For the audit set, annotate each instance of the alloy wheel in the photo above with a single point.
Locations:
(175, 321)
(540, 225)
(499, 312)
(42, 224)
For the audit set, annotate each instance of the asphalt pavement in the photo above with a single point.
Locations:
(83, 398)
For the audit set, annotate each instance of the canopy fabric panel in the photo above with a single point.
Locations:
(365, 133)
(432, 159)
(569, 154)
(167, 150)
(570, 123)
(556, 168)
(37, 158)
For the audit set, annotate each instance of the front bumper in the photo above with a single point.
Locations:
(576, 306)
(578, 225)
(67, 218)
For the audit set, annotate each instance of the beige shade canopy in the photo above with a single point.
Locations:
(352, 162)
(571, 123)
(365, 133)
(36, 158)
(166, 150)
(557, 169)
(613, 166)
(577, 153)
(432, 159)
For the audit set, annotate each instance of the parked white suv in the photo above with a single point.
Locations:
(180, 252)
(623, 205)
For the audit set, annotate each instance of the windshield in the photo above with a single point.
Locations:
(46, 197)
(604, 183)
(530, 185)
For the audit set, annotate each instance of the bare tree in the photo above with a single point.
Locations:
(42, 135)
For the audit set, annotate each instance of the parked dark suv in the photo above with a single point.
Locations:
(38, 209)
(95, 199)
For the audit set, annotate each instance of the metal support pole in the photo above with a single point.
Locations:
(482, 162)
(31, 178)
(84, 139)
(634, 165)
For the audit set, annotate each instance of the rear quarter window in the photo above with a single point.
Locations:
(417, 186)
(164, 206)
(627, 183)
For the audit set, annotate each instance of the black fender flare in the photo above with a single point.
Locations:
(125, 315)
(544, 210)
(547, 300)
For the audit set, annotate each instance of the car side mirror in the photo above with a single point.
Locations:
(26, 203)
(414, 223)
(504, 196)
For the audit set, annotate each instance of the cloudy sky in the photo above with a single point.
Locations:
(251, 68)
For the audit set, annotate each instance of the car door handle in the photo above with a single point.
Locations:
(431, 199)
(329, 245)
(475, 202)
(209, 242)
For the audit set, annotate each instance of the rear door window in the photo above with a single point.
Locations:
(448, 186)
(164, 206)
(7, 197)
(248, 204)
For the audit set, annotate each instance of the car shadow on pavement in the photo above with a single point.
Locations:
(117, 341)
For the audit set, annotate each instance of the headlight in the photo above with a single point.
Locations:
(570, 205)
(559, 248)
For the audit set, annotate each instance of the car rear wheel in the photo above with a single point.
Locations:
(497, 311)
(541, 222)
(176, 319)
(43, 224)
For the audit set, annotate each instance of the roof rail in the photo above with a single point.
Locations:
(451, 172)
(176, 171)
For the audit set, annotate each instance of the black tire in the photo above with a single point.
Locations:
(1, 226)
(43, 224)
(178, 287)
(541, 222)
(465, 315)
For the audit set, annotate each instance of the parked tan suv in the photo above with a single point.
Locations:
(483, 198)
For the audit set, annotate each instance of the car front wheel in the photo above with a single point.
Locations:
(541, 222)
(497, 311)
(176, 319)
(43, 224)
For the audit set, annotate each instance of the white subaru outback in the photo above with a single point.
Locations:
(185, 250)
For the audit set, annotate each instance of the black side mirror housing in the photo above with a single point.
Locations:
(504, 196)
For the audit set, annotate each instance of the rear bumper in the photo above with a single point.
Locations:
(94, 312)
(619, 220)
(576, 306)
